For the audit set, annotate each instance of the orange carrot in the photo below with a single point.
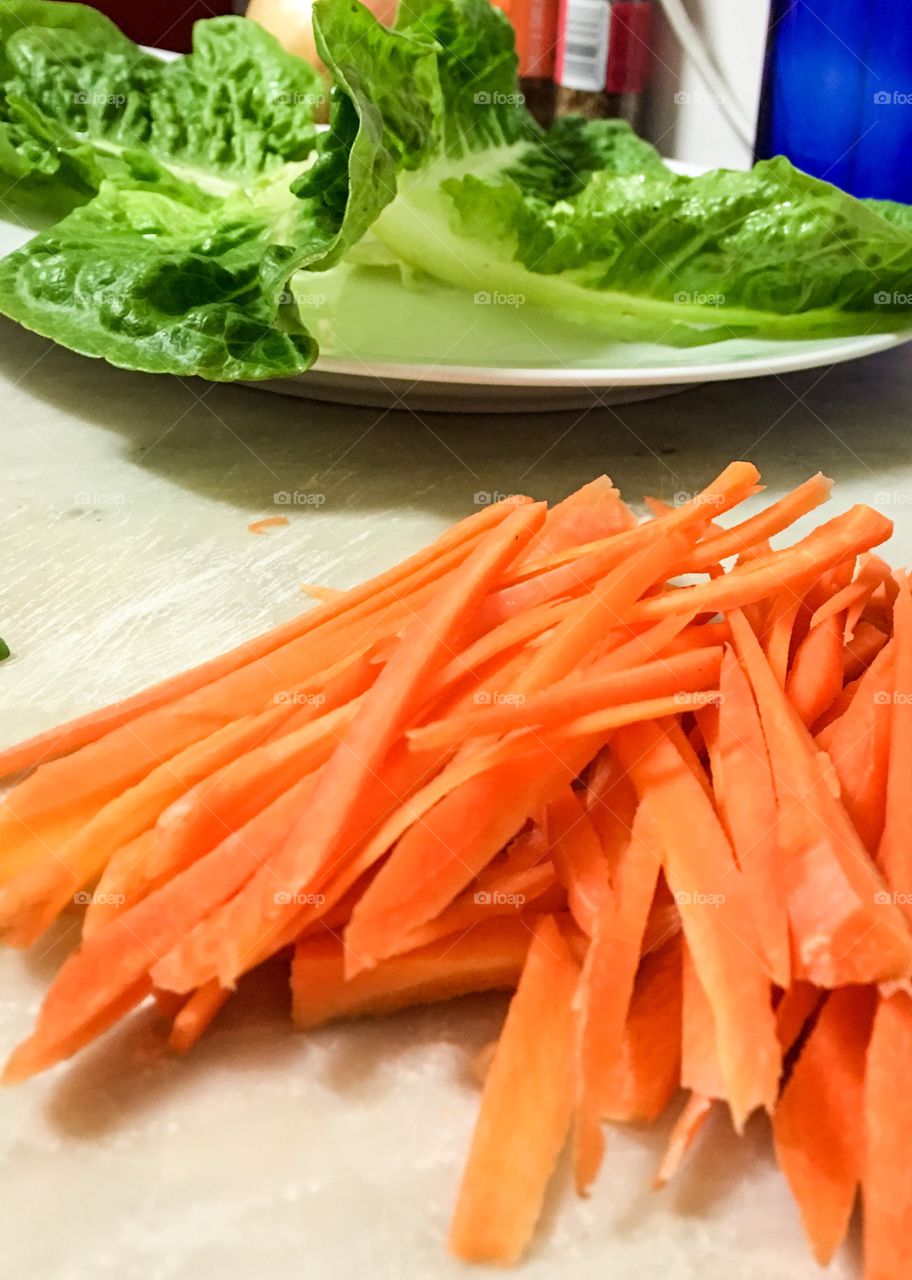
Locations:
(487, 957)
(686, 1130)
(886, 1192)
(708, 887)
(525, 1110)
(196, 1015)
(843, 930)
(859, 747)
(895, 855)
(578, 858)
(818, 1126)
(746, 800)
(815, 678)
(701, 1071)
(269, 522)
(647, 1074)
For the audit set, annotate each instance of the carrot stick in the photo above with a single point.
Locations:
(857, 530)
(757, 529)
(843, 930)
(818, 1124)
(718, 924)
(31, 901)
(606, 989)
(525, 1110)
(576, 696)
(886, 1190)
(97, 977)
(894, 855)
(859, 746)
(863, 648)
(746, 800)
(815, 679)
(447, 552)
(687, 1128)
(119, 883)
(648, 1071)
(578, 858)
(701, 1071)
(438, 856)
(533, 891)
(779, 634)
(196, 1015)
(489, 956)
(593, 512)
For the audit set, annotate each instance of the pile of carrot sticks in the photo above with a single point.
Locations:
(651, 776)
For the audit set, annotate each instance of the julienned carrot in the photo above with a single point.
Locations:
(886, 1190)
(195, 1015)
(859, 529)
(98, 976)
(701, 1071)
(525, 1110)
(858, 744)
(815, 678)
(738, 481)
(578, 858)
(718, 924)
(818, 1126)
(536, 889)
(775, 518)
(576, 696)
(426, 565)
(439, 855)
(895, 854)
(687, 1128)
(487, 957)
(779, 632)
(607, 983)
(746, 799)
(30, 901)
(595, 511)
(863, 648)
(647, 1073)
(843, 929)
(268, 522)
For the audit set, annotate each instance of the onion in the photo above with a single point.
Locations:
(290, 21)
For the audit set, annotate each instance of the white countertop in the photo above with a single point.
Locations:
(125, 501)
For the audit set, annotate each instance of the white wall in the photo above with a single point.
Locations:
(694, 128)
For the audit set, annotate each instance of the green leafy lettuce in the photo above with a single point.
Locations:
(191, 197)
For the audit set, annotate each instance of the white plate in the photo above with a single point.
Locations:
(427, 346)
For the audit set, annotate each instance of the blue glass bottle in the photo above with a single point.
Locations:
(837, 93)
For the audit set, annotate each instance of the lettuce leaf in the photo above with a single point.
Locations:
(587, 221)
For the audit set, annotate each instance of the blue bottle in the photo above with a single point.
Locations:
(837, 93)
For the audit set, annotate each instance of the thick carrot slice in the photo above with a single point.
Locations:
(886, 1190)
(426, 565)
(718, 923)
(525, 1110)
(606, 988)
(858, 744)
(895, 854)
(578, 858)
(815, 678)
(818, 1125)
(746, 799)
(487, 957)
(843, 929)
(648, 1071)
